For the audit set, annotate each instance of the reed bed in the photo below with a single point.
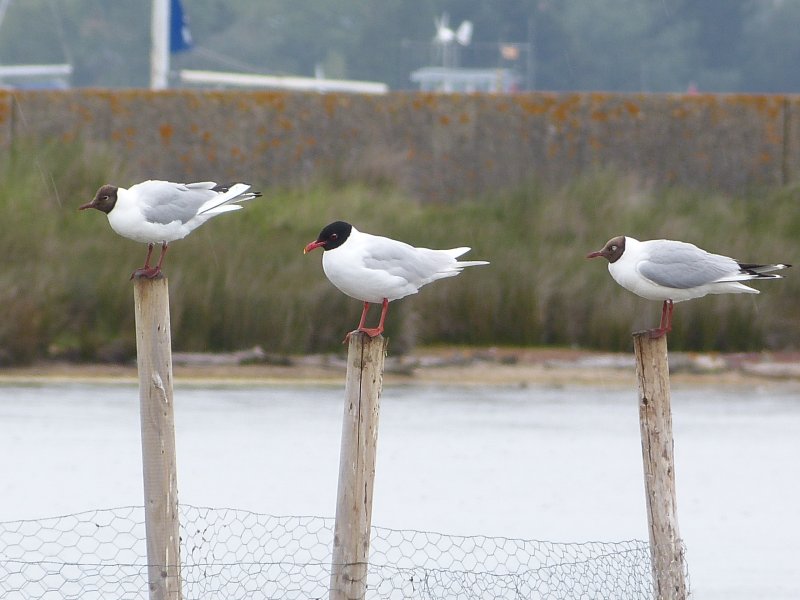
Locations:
(242, 279)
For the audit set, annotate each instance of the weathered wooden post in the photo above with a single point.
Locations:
(365, 358)
(154, 360)
(655, 422)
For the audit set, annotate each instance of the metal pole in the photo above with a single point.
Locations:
(159, 52)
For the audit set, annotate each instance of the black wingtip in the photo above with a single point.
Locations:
(760, 271)
(225, 187)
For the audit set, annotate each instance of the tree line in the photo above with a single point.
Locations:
(561, 45)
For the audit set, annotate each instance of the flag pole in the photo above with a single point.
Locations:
(159, 53)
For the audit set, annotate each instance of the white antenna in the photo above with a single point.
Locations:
(159, 52)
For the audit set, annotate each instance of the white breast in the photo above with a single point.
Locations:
(127, 220)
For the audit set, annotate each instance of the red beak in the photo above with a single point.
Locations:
(594, 254)
(87, 205)
(312, 245)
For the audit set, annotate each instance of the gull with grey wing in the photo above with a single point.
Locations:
(672, 271)
(161, 211)
(376, 269)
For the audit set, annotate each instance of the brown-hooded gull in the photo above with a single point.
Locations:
(162, 212)
(672, 271)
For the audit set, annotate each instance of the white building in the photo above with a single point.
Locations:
(452, 80)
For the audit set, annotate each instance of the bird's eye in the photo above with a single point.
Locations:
(614, 248)
(334, 237)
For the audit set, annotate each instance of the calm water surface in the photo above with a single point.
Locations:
(549, 463)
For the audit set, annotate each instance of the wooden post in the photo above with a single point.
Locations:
(154, 359)
(655, 422)
(365, 358)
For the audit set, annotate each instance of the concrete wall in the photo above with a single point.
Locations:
(439, 147)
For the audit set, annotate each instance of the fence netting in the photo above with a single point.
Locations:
(234, 555)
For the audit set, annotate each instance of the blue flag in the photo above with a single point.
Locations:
(180, 38)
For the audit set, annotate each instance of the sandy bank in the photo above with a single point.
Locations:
(464, 366)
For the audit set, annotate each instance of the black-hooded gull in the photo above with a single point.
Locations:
(377, 269)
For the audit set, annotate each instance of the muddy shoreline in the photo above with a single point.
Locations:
(461, 366)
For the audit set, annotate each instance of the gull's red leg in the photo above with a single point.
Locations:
(669, 316)
(363, 320)
(361, 323)
(665, 326)
(148, 271)
(146, 268)
(375, 331)
(149, 254)
(164, 248)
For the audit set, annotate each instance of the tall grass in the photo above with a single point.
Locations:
(242, 278)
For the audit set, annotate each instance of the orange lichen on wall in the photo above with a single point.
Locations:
(276, 100)
(85, 113)
(633, 108)
(565, 111)
(5, 106)
(725, 141)
(166, 131)
(332, 101)
(420, 101)
(536, 104)
(772, 106)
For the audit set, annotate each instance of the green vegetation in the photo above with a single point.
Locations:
(242, 279)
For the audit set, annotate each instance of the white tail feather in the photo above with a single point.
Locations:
(222, 209)
(456, 252)
(236, 193)
(471, 263)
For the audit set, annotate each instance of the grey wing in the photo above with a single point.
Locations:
(165, 202)
(680, 265)
(417, 265)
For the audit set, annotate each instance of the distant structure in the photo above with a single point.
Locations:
(466, 81)
(446, 41)
(225, 79)
(446, 75)
(170, 34)
(45, 76)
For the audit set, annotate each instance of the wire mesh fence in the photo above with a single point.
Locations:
(235, 554)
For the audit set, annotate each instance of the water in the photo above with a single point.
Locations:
(550, 463)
